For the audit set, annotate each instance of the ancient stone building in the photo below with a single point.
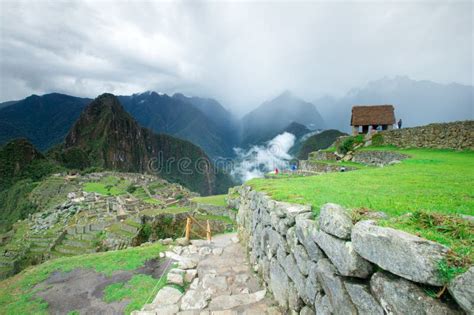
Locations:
(364, 119)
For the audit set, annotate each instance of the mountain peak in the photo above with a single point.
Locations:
(106, 136)
(286, 94)
(103, 104)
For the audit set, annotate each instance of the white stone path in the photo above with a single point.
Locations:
(222, 282)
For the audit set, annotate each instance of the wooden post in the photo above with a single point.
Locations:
(208, 232)
(188, 228)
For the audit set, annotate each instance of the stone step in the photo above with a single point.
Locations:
(36, 249)
(55, 254)
(5, 272)
(40, 239)
(122, 230)
(65, 249)
(88, 236)
(42, 243)
(129, 228)
(77, 243)
(6, 262)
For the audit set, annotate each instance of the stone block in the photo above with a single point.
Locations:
(401, 253)
(335, 220)
(399, 296)
(343, 256)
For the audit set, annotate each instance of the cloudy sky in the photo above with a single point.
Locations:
(241, 53)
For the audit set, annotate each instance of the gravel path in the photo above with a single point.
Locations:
(221, 282)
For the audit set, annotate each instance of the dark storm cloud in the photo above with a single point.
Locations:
(240, 53)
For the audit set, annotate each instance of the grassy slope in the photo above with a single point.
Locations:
(439, 182)
(434, 180)
(216, 200)
(110, 185)
(17, 294)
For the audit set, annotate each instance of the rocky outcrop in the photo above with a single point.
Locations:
(462, 289)
(399, 296)
(335, 220)
(321, 167)
(378, 158)
(456, 135)
(327, 265)
(401, 253)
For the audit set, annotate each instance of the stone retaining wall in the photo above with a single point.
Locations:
(328, 265)
(378, 158)
(320, 167)
(456, 135)
(214, 210)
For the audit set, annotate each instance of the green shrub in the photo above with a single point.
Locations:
(377, 139)
(346, 145)
(131, 188)
(146, 231)
(359, 139)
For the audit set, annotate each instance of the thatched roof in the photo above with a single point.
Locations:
(372, 115)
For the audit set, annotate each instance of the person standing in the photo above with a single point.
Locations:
(399, 123)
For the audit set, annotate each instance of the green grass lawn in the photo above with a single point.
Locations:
(110, 185)
(140, 289)
(210, 217)
(17, 294)
(440, 182)
(216, 200)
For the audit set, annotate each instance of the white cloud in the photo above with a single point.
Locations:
(261, 159)
(239, 52)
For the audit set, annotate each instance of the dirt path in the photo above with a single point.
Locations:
(222, 282)
(82, 290)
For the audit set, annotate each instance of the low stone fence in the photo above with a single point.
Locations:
(378, 158)
(321, 167)
(322, 156)
(329, 265)
(214, 210)
(456, 135)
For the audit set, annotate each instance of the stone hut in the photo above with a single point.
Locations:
(364, 119)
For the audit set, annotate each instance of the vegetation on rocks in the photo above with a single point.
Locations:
(17, 294)
(216, 200)
(319, 141)
(139, 290)
(412, 186)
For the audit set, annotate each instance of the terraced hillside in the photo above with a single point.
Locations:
(90, 213)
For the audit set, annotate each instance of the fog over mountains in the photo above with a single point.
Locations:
(45, 120)
(416, 102)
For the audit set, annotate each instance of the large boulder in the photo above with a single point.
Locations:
(401, 253)
(363, 299)
(302, 259)
(292, 270)
(334, 288)
(462, 289)
(167, 295)
(335, 220)
(399, 296)
(322, 305)
(343, 256)
(279, 283)
(227, 302)
(194, 300)
(271, 241)
(305, 230)
(291, 210)
(313, 287)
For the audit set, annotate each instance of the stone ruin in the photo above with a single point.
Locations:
(329, 265)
